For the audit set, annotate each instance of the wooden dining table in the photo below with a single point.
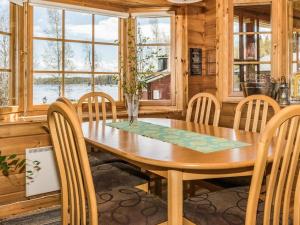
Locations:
(174, 162)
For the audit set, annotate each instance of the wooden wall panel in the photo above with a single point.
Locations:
(202, 34)
(14, 139)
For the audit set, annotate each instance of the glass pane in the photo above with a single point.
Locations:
(107, 84)
(78, 57)
(249, 47)
(47, 22)
(47, 55)
(250, 73)
(4, 51)
(154, 58)
(296, 46)
(78, 26)
(4, 89)
(153, 30)
(265, 26)
(77, 85)
(4, 15)
(296, 67)
(246, 47)
(236, 24)
(106, 29)
(158, 88)
(265, 49)
(46, 88)
(106, 58)
(252, 18)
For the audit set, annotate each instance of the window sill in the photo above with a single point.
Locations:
(144, 112)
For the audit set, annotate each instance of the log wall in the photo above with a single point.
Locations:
(202, 34)
(14, 139)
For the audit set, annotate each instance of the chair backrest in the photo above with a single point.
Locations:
(200, 106)
(94, 100)
(297, 204)
(261, 110)
(67, 102)
(77, 188)
(283, 131)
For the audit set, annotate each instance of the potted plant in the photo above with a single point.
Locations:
(137, 68)
(11, 163)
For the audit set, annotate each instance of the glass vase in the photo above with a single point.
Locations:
(132, 101)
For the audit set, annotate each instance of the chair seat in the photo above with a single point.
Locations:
(112, 175)
(120, 206)
(130, 206)
(99, 158)
(226, 207)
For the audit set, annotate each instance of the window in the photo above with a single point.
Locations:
(73, 53)
(296, 38)
(295, 53)
(252, 36)
(153, 38)
(6, 95)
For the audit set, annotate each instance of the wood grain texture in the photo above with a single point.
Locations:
(257, 107)
(120, 5)
(14, 139)
(202, 34)
(29, 205)
(204, 102)
(138, 148)
(77, 187)
(94, 101)
(284, 169)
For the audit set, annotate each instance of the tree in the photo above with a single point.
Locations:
(4, 58)
(54, 55)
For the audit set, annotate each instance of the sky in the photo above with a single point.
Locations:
(78, 26)
(4, 9)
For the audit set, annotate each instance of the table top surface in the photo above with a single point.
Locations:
(154, 152)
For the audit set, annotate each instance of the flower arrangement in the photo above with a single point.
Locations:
(137, 68)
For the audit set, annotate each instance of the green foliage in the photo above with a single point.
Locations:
(138, 66)
(11, 163)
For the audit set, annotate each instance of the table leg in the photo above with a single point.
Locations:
(175, 198)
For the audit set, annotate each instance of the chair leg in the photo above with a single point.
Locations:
(158, 186)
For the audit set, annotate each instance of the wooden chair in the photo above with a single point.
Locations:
(77, 187)
(202, 111)
(261, 102)
(78, 195)
(67, 102)
(244, 204)
(297, 204)
(94, 100)
(277, 205)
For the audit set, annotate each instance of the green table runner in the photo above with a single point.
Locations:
(195, 141)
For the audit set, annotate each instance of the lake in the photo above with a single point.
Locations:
(46, 93)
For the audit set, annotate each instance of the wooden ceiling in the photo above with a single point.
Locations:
(126, 5)
(140, 3)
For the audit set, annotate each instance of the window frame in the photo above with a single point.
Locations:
(171, 14)
(249, 62)
(225, 41)
(63, 72)
(13, 96)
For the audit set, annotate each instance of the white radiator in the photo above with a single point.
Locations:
(41, 171)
